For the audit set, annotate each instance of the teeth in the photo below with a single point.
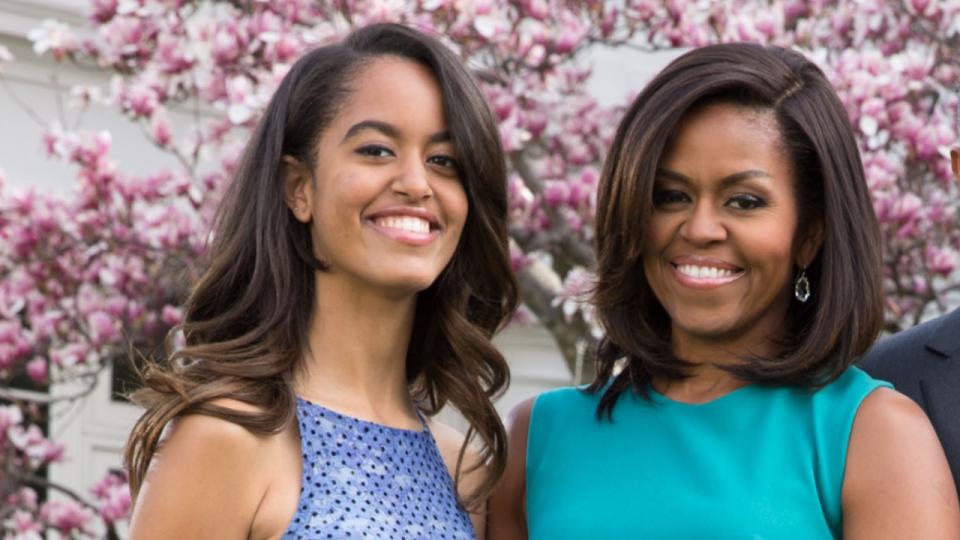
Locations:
(405, 223)
(704, 272)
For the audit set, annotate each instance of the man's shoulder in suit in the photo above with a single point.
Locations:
(905, 356)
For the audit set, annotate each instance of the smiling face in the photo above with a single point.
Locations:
(384, 200)
(719, 253)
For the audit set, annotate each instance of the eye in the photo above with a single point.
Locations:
(746, 201)
(666, 197)
(445, 162)
(374, 150)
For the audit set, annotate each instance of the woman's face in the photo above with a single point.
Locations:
(719, 251)
(385, 202)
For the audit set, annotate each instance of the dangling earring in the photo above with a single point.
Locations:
(801, 287)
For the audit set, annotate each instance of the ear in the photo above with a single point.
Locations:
(297, 188)
(810, 244)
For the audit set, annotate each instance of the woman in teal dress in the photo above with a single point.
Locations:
(738, 277)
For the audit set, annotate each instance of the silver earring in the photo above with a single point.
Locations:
(801, 287)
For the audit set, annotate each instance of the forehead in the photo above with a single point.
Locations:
(396, 91)
(726, 138)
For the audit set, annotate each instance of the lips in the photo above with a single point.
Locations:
(408, 225)
(704, 273)
(404, 223)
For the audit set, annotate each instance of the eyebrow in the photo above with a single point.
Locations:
(391, 131)
(724, 182)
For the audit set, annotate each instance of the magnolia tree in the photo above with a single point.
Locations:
(90, 275)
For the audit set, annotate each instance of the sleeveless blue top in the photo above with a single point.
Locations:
(761, 462)
(365, 480)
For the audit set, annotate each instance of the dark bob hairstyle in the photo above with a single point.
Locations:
(823, 336)
(247, 319)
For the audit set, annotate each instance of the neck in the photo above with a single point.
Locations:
(357, 347)
(707, 379)
(706, 383)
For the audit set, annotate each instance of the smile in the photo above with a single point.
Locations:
(705, 272)
(404, 223)
(700, 276)
(413, 227)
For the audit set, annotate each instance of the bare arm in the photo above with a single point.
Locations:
(507, 509)
(203, 483)
(897, 482)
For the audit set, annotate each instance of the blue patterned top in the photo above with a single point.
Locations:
(366, 480)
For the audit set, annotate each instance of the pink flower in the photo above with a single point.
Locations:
(39, 450)
(37, 370)
(113, 495)
(69, 355)
(538, 9)
(556, 193)
(10, 415)
(53, 36)
(103, 328)
(67, 516)
(26, 526)
(171, 315)
(141, 99)
(172, 55)
(160, 129)
(941, 261)
(101, 11)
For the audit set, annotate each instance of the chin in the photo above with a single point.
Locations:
(707, 328)
(411, 283)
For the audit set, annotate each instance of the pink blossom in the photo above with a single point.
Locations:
(227, 41)
(67, 516)
(172, 316)
(10, 416)
(538, 9)
(556, 193)
(140, 99)
(101, 11)
(25, 526)
(173, 55)
(69, 355)
(39, 450)
(571, 35)
(160, 129)
(941, 261)
(55, 37)
(113, 496)
(37, 370)
(127, 38)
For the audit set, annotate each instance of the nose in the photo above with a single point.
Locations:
(703, 225)
(413, 180)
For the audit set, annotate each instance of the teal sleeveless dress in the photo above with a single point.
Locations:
(758, 463)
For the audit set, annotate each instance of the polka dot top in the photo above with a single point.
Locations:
(366, 480)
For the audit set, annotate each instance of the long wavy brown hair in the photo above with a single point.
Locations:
(246, 320)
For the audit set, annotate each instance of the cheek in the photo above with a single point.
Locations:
(657, 234)
(453, 200)
(777, 257)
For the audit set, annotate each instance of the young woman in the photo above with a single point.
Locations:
(739, 277)
(359, 267)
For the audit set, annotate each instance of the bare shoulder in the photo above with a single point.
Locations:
(450, 441)
(204, 481)
(897, 483)
(518, 419)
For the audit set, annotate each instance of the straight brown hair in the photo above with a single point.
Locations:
(247, 318)
(842, 319)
